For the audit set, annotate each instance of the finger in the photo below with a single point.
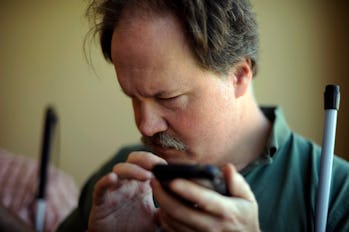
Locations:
(203, 198)
(164, 218)
(138, 166)
(132, 171)
(236, 184)
(179, 213)
(215, 212)
(145, 159)
(102, 186)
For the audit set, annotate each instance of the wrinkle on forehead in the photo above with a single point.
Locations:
(152, 54)
(142, 40)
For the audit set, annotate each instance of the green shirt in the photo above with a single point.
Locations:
(284, 180)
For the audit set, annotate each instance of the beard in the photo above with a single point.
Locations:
(164, 140)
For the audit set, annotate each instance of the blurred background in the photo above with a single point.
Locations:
(303, 47)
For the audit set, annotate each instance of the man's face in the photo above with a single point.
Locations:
(171, 94)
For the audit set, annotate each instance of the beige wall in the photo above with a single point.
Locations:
(41, 62)
(304, 46)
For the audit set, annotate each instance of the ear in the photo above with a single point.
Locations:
(242, 76)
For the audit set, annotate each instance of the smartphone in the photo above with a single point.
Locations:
(204, 174)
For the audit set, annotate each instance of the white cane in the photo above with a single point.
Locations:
(50, 123)
(331, 104)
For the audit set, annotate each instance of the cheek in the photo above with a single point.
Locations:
(204, 122)
(193, 124)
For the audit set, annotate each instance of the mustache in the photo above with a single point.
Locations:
(165, 140)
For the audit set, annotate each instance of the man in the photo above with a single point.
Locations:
(188, 67)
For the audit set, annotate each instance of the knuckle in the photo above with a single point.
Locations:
(138, 158)
(134, 155)
(117, 167)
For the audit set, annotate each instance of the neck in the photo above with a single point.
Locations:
(255, 134)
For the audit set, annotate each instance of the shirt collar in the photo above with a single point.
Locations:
(280, 131)
(278, 137)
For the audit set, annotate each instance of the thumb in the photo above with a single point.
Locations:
(236, 184)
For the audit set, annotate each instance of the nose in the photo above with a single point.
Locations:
(148, 117)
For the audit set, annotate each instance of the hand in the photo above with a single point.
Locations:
(123, 199)
(212, 211)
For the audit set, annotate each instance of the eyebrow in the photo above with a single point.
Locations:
(157, 94)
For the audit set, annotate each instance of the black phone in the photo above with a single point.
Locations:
(207, 175)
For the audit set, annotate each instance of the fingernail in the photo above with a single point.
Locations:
(112, 176)
(150, 175)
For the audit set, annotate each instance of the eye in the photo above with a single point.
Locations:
(168, 98)
(171, 102)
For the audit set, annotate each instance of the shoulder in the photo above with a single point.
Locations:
(305, 154)
(308, 155)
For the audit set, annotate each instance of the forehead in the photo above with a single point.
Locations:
(144, 37)
(149, 52)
